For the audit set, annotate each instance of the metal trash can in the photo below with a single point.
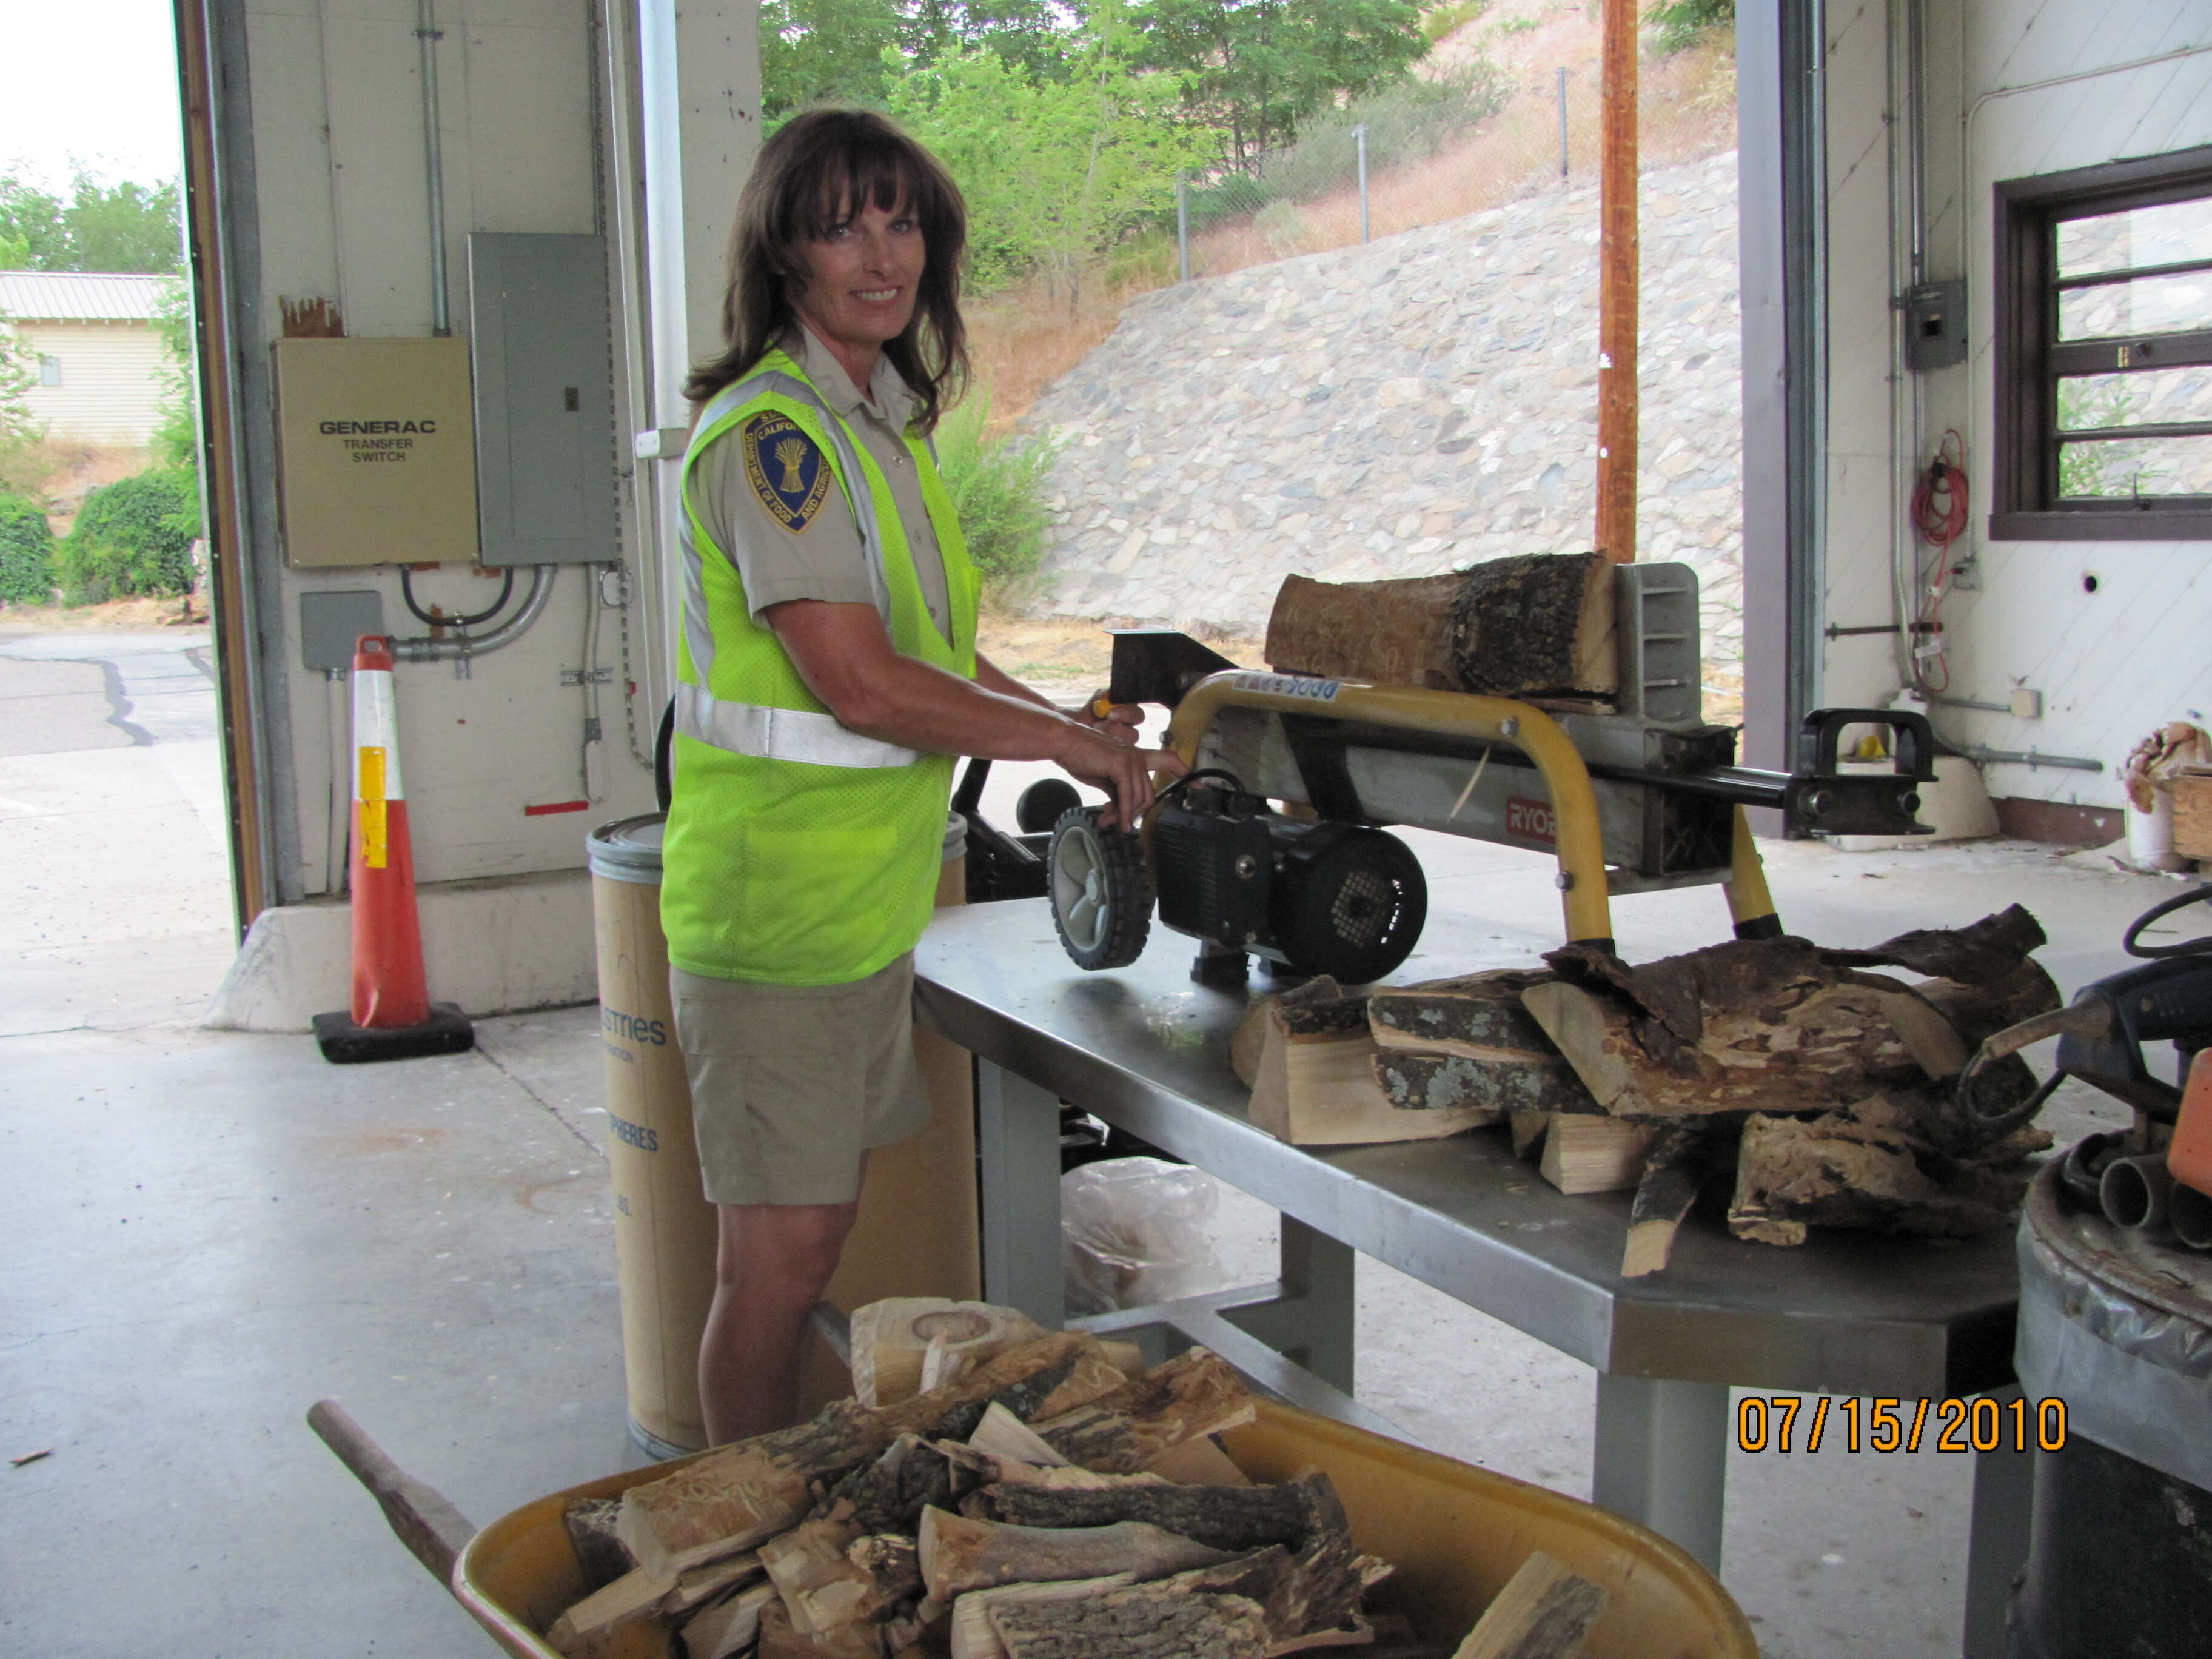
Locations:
(663, 1225)
(2118, 1326)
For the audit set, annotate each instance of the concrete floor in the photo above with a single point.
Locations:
(214, 1230)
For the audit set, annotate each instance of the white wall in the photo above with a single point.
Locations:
(109, 393)
(2114, 665)
(337, 157)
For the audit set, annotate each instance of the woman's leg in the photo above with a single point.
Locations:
(772, 1264)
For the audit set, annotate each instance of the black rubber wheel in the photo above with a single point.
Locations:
(1100, 889)
(1353, 907)
(1043, 804)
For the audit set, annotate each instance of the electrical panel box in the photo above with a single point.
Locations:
(546, 457)
(331, 624)
(1936, 324)
(377, 463)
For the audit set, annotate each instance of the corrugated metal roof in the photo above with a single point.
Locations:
(78, 296)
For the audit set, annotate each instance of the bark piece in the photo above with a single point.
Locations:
(1861, 1168)
(892, 1339)
(1544, 1611)
(890, 1494)
(1587, 1152)
(1536, 625)
(1237, 1519)
(1476, 1014)
(1759, 1025)
(590, 1523)
(724, 1629)
(1460, 1083)
(1319, 1089)
(1674, 1168)
(1195, 1394)
(1396, 633)
(959, 1554)
(972, 1635)
(1144, 1621)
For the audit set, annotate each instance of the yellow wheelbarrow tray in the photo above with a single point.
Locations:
(1454, 1534)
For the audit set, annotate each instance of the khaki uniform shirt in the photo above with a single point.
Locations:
(825, 560)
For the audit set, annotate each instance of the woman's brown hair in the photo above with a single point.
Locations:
(819, 169)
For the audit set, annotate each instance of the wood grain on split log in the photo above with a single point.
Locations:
(1528, 1129)
(1233, 1518)
(1319, 1089)
(1674, 1168)
(1003, 1435)
(1196, 1462)
(634, 1597)
(777, 1640)
(724, 1629)
(820, 1585)
(1195, 1394)
(1536, 625)
(959, 1554)
(978, 1468)
(1587, 1153)
(1544, 1611)
(891, 1338)
(1397, 633)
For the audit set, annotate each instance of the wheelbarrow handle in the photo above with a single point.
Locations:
(431, 1528)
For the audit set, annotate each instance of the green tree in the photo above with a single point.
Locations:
(817, 51)
(122, 228)
(27, 553)
(1041, 36)
(22, 465)
(1678, 24)
(177, 439)
(1055, 172)
(133, 537)
(1257, 67)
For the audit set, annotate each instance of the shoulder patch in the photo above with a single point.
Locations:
(786, 469)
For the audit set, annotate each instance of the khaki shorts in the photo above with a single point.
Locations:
(790, 1083)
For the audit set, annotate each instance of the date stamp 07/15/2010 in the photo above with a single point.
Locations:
(1788, 1422)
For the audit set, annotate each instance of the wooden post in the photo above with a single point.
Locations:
(1618, 268)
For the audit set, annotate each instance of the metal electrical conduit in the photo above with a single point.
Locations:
(428, 648)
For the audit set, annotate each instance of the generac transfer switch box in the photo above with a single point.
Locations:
(377, 464)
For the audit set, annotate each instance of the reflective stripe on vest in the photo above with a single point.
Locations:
(783, 734)
(745, 728)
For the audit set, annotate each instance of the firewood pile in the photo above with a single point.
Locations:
(1043, 1497)
(1828, 1089)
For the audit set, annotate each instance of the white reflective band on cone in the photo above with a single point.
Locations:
(375, 726)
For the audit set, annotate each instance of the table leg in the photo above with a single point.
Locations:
(1310, 1322)
(1018, 1154)
(1661, 1458)
(1997, 1541)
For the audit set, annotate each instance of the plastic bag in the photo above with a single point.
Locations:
(1133, 1232)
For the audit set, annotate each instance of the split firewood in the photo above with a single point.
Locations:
(1198, 1462)
(976, 1469)
(1320, 993)
(1587, 1153)
(1478, 1015)
(1003, 1435)
(972, 1635)
(1193, 1394)
(959, 1554)
(890, 1494)
(1544, 1611)
(696, 1586)
(1528, 1129)
(724, 1629)
(733, 1498)
(779, 1640)
(1674, 1168)
(892, 1338)
(1751, 1024)
(1317, 1084)
(581, 1632)
(820, 1587)
(1862, 1167)
(600, 1557)
(1233, 1518)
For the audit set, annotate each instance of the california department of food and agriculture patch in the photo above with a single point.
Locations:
(786, 469)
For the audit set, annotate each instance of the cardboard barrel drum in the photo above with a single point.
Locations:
(663, 1225)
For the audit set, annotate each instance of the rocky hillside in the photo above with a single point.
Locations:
(1400, 409)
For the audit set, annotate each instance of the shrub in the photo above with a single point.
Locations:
(1441, 20)
(1678, 24)
(1408, 121)
(27, 553)
(133, 537)
(998, 486)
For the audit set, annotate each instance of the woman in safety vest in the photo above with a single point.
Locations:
(827, 675)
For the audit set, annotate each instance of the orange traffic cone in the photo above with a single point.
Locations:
(392, 1017)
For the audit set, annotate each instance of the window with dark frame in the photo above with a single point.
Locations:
(2104, 353)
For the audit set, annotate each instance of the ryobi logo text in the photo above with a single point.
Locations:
(614, 1023)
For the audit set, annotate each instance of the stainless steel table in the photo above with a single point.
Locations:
(1146, 1050)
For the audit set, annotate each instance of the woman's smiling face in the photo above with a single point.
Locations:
(862, 275)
